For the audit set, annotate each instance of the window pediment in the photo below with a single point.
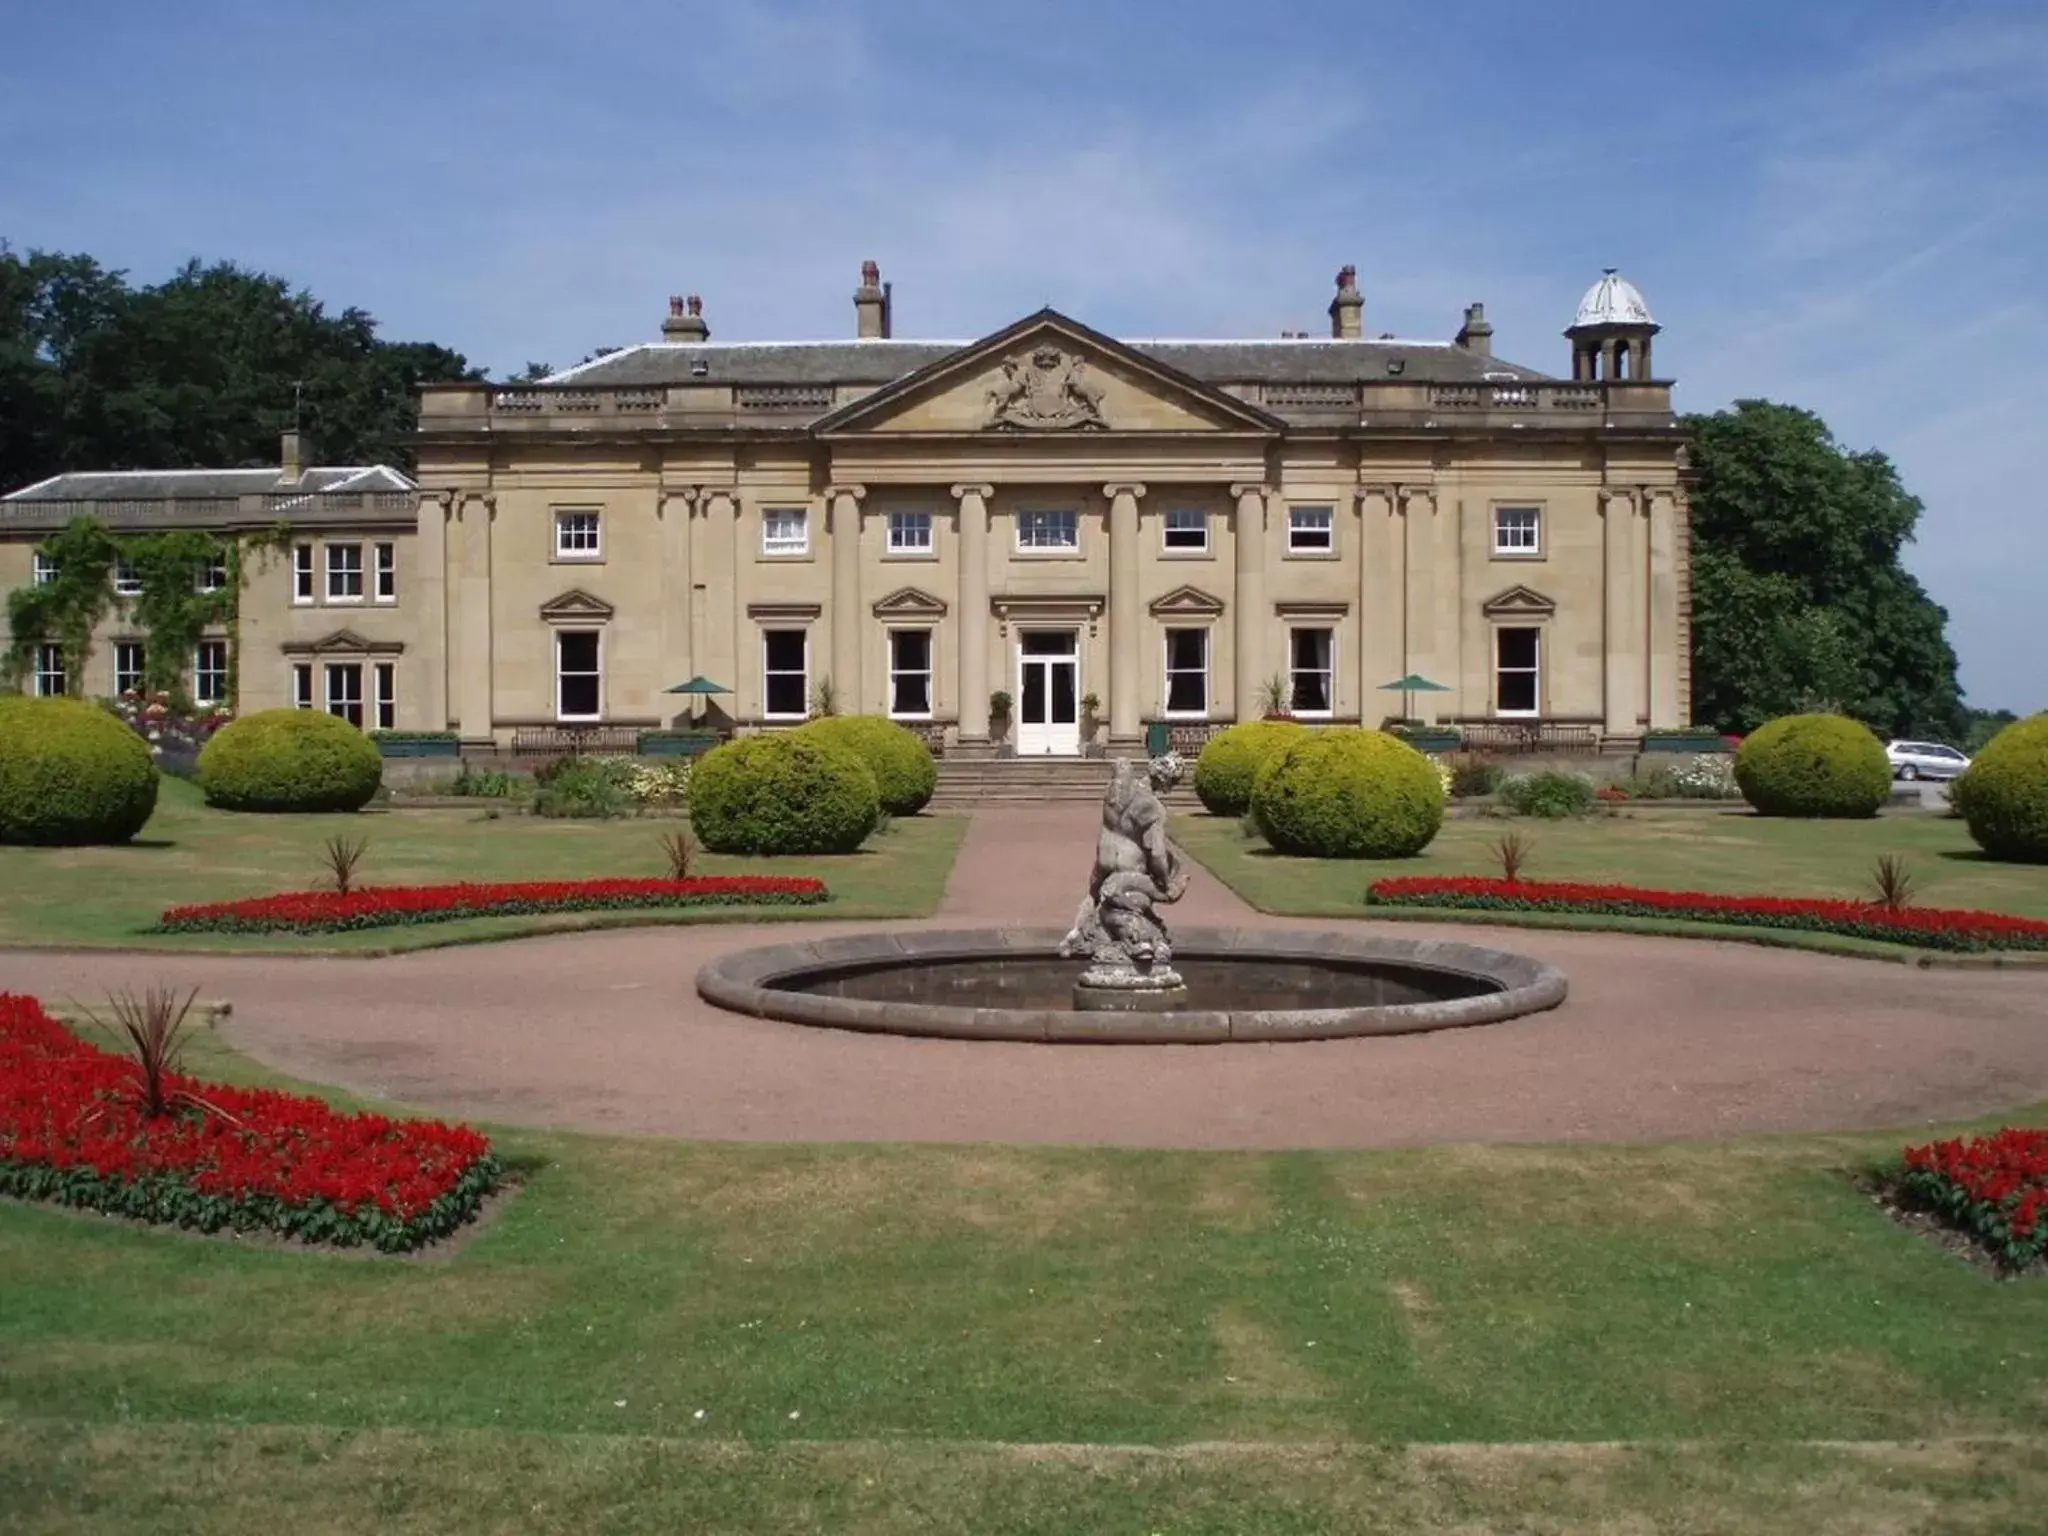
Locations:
(910, 603)
(343, 642)
(1187, 602)
(784, 613)
(576, 606)
(1518, 602)
(1307, 609)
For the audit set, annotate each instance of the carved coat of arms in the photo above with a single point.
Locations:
(1047, 391)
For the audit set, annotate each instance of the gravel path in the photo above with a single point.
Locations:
(604, 1032)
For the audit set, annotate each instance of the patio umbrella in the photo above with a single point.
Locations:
(699, 686)
(1413, 682)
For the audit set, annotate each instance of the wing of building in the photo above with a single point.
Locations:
(1106, 535)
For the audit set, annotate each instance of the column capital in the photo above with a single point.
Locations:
(962, 492)
(854, 491)
(1610, 494)
(1390, 489)
(681, 492)
(440, 496)
(1130, 488)
(1411, 493)
(1243, 488)
(467, 495)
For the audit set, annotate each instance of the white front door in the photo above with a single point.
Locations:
(1048, 694)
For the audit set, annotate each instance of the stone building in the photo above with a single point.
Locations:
(1171, 531)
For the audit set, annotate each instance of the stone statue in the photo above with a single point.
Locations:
(1136, 871)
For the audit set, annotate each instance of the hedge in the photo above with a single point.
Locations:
(905, 772)
(71, 773)
(290, 760)
(1230, 763)
(783, 793)
(2003, 794)
(1814, 766)
(1349, 794)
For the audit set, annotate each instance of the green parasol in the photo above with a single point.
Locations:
(699, 686)
(1413, 682)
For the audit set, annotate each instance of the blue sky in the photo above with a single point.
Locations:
(1840, 205)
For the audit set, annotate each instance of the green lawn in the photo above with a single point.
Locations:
(1702, 850)
(1700, 1338)
(190, 853)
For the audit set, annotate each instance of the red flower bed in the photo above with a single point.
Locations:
(1926, 927)
(387, 906)
(72, 1130)
(1994, 1187)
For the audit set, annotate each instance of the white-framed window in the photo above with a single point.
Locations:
(302, 685)
(1187, 672)
(345, 573)
(910, 533)
(1048, 528)
(345, 691)
(129, 666)
(785, 673)
(1517, 671)
(49, 671)
(1310, 531)
(579, 535)
(579, 674)
(1517, 530)
(45, 570)
(910, 673)
(213, 572)
(384, 695)
(385, 589)
(302, 575)
(210, 672)
(1311, 654)
(1186, 529)
(127, 579)
(785, 531)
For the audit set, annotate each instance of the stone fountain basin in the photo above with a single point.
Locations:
(1012, 984)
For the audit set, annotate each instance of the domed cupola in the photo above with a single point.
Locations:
(1611, 335)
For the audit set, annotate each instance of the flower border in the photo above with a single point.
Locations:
(1993, 1187)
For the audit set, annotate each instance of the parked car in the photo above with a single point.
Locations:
(1924, 760)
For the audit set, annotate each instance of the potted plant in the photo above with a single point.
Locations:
(1276, 694)
(1091, 715)
(824, 698)
(998, 715)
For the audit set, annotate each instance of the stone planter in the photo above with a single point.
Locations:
(1704, 741)
(428, 747)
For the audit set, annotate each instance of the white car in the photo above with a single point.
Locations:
(1912, 760)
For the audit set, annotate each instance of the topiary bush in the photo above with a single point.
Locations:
(290, 760)
(1348, 794)
(1549, 794)
(1813, 765)
(788, 792)
(2003, 794)
(905, 773)
(1230, 763)
(71, 773)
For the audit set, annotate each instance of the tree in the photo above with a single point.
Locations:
(203, 370)
(1799, 599)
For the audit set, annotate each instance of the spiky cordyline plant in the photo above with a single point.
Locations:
(676, 847)
(343, 855)
(1513, 852)
(154, 1024)
(1893, 882)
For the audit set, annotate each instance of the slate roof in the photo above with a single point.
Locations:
(1290, 361)
(207, 484)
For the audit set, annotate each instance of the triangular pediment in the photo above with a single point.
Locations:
(1518, 601)
(1045, 376)
(343, 642)
(910, 603)
(1187, 602)
(575, 604)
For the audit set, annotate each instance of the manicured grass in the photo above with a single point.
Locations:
(1699, 850)
(915, 1338)
(191, 853)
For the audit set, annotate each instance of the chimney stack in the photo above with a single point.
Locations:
(1347, 310)
(294, 455)
(685, 320)
(871, 304)
(1476, 335)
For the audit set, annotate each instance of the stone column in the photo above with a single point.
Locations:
(845, 501)
(1621, 644)
(678, 600)
(1380, 608)
(1663, 609)
(478, 510)
(716, 648)
(431, 581)
(1419, 595)
(1126, 624)
(1248, 599)
(972, 625)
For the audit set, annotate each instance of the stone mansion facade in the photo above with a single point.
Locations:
(1111, 533)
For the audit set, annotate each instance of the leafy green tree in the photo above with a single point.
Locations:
(1800, 602)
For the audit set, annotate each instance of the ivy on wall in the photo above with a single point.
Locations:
(171, 609)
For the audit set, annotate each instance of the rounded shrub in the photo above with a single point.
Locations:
(1230, 763)
(71, 773)
(1550, 794)
(2003, 794)
(1348, 794)
(788, 792)
(905, 773)
(290, 760)
(1813, 765)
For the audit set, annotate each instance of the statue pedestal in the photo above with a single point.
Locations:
(1105, 989)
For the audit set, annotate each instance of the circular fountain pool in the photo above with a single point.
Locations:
(1012, 984)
